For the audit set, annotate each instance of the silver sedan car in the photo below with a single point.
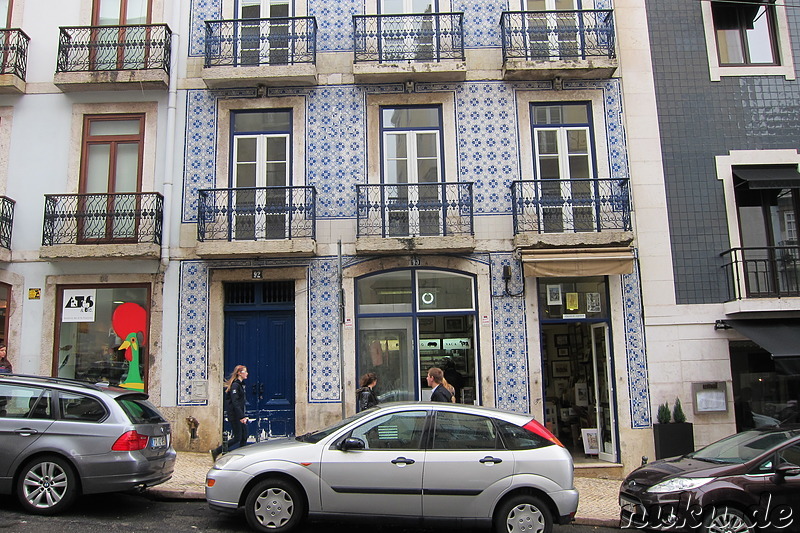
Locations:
(419, 462)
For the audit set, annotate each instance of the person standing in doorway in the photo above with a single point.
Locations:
(235, 409)
(436, 381)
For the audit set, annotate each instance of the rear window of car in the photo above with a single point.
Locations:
(140, 411)
(80, 408)
(519, 438)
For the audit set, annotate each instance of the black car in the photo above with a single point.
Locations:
(745, 482)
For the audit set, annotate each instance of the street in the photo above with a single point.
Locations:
(95, 514)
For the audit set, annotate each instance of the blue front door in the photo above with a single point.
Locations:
(263, 340)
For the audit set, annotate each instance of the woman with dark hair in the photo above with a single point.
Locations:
(5, 364)
(365, 396)
(235, 409)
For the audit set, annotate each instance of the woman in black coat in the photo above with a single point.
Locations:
(365, 396)
(235, 409)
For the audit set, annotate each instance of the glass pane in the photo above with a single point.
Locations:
(109, 12)
(385, 347)
(392, 6)
(576, 114)
(590, 293)
(5, 16)
(457, 431)
(17, 401)
(548, 141)
(245, 175)
(277, 149)
(97, 168)
(759, 39)
(80, 408)
(397, 431)
(412, 117)
(114, 127)
(561, 114)
(729, 46)
(396, 145)
(276, 175)
(549, 168)
(137, 12)
(428, 172)
(536, 5)
(252, 11)
(427, 144)
(396, 172)
(264, 121)
(442, 290)
(246, 149)
(579, 167)
(127, 178)
(578, 141)
(565, 5)
(389, 292)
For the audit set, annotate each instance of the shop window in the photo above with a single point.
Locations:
(577, 298)
(99, 340)
(5, 311)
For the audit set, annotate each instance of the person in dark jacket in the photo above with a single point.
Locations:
(365, 396)
(5, 364)
(436, 381)
(235, 409)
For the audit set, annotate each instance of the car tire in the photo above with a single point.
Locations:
(523, 514)
(274, 505)
(47, 485)
(725, 519)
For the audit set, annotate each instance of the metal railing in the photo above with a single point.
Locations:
(421, 37)
(762, 272)
(99, 48)
(6, 221)
(411, 210)
(100, 218)
(256, 213)
(557, 34)
(571, 206)
(252, 42)
(14, 50)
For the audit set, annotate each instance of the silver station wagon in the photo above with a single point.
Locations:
(413, 462)
(62, 438)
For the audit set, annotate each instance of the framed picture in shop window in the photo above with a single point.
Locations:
(554, 295)
(453, 323)
(562, 340)
(563, 352)
(427, 324)
(561, 369)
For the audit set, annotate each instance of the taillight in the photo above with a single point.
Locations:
(535, 427)
(130, 442)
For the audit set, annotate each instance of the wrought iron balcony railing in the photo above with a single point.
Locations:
(14, 47)
(762, 272)
(256, 213)
(411, 210)
(99, 48)
(422, 37)
(6, 221)
(253, 42)
(557, 34)
(571, 206)
(99, 218)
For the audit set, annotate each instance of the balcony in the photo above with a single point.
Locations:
(248, 52)
(762, 278)
(421, 47)
(14, 49)
(403, 218)
(571, 213)
(256, 221)
(539, 45)
(114, 58)
(100, 225)
(6, 225)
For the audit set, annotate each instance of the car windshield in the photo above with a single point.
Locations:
(741, 447)
(316, 436)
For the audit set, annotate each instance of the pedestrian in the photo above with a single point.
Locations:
(365, 396)
(235, 409)
(436, 381)
(5, 364)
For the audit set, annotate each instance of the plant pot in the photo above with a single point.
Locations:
(673, 439)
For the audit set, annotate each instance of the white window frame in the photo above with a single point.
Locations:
(783, 46)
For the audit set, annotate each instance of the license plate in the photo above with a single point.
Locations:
(158, 442)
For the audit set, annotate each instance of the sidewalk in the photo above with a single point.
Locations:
(597, 505)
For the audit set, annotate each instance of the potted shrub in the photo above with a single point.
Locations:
(672, 438)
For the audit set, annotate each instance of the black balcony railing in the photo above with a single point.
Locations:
(14, 47)
(252, 42)
(411, 210)
(102, 218)
(763, 272)
(98, 48)
(557, 34)
(423, 37)
(6, 221)
(571, 206)
(256, 213)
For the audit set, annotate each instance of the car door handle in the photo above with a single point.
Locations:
(25, 432)
(490, 459)
(403, 461)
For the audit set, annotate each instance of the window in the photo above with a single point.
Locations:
(111, 176)
(6, 7)
(121, 12)
(517, 438)
(271, 48)
(412, 169)
(140, 411)
(458, 431)
(117, 48)
(745, 32)
(80, 408)
(397, 431)
(18, 401)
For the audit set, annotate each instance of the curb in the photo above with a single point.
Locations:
(601, 522)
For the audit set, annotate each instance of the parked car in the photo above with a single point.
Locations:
(62, 438)
(747, 481)
(419, 462)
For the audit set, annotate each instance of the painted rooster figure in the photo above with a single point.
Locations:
(130, 321)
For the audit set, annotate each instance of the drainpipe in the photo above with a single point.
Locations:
(169, 159)
(341, 330)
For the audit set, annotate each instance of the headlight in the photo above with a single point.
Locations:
(225, 459)
(678, 484)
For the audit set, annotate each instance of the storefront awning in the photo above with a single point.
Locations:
(560, 262)
(768, 177)
(780, 337)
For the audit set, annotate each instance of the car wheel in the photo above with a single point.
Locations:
(274, 505)
(523, 514)
(47, 485)
(727, 520)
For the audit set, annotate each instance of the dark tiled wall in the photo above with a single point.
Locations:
(700, 119)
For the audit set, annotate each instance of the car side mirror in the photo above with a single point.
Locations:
(352, 443)
(788, 469)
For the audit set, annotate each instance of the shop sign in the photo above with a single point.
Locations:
(78, 305)
(456, 344)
